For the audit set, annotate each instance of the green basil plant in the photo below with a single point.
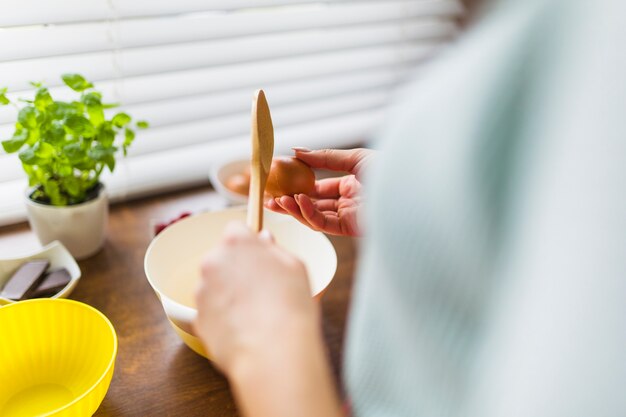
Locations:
(65, 146)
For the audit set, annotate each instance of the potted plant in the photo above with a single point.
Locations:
(64, 147)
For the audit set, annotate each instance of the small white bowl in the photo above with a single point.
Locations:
(220, 173)
(56, 254)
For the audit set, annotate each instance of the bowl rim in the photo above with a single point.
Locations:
(87, 307)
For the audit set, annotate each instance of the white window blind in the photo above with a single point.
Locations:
(190, 67)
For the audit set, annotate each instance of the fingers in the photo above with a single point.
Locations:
(319, 215)
(289, 205)
(266, 236)
(273, 205)
(351, 160)
(329, 205)
(236, 231)
(292, 207)
(327, 188)
(328, 223)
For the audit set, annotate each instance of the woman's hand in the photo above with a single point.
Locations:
(334, 206)
(251, 292)
(262, 328)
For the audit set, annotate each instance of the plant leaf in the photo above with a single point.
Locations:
(129, 137)
(121, 119)
(96, 115)
(142, 124)
(100, 153)
(72, 185)
(32, 175)
(74, 152)
(93, 97)
(106, 136)
(94, 107)
(12, 145)
(80, 126)
(43, 98)
(33, 137)
(64, 170)
(109, 160)
(28, 157)
(55, 134)
(61, 109)
(16, 142)
(28, 117)
(44, 150)
(76, 82)
(51, 188)
(3, 98)
(87, 164)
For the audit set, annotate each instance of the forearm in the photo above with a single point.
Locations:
(290, 378)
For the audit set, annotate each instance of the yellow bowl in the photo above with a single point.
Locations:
(56, 358)
(172, 262)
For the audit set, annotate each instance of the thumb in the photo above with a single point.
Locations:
(349, 160)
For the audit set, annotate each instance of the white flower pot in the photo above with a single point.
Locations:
(80, 227)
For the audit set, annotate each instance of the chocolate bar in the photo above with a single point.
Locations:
(53, 282)
(25, 279)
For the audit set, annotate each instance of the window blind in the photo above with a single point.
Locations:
(190, 68)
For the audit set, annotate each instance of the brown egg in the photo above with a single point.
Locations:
(238, 183)
(289, 176)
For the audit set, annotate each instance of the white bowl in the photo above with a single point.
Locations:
(172, 261)
(219, 174)
(56, 254)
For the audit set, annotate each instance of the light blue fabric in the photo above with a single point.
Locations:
(492, 280)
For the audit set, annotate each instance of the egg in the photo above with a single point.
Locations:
(289, 176)
(238, 183)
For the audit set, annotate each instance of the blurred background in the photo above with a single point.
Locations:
(190, 67)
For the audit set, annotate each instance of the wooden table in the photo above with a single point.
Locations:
(155, 373)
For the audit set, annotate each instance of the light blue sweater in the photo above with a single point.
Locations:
(492, 281)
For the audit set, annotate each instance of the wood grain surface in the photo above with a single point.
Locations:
(155, 373)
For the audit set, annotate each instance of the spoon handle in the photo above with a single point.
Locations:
(255, 203)
(262, 135)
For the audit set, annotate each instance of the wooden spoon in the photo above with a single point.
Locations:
(262, 153)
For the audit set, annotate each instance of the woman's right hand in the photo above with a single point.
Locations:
(335, 204)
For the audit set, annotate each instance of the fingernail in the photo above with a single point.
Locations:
(301, 149)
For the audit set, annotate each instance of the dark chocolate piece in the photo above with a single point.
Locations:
(53, 282)
(25, 279)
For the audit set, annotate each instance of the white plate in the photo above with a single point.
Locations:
(56, 254)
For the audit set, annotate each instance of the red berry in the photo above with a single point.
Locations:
(159, 227)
